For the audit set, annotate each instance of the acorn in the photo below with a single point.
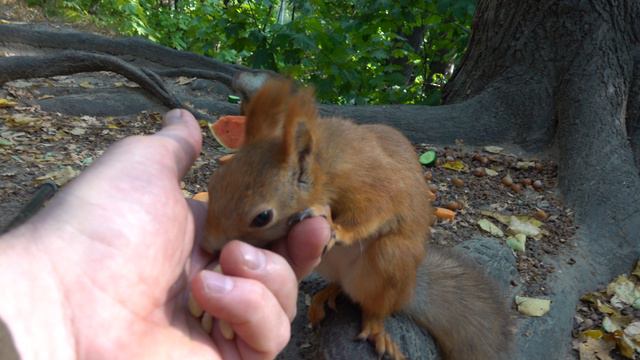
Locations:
(526, 182)
(507, 180)
(453, 205)
(516, 188)
(457, 182)
(479, 172)
(538, 185)
(540, 215)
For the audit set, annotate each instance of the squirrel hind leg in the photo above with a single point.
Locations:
(373, 330)
(327, 296)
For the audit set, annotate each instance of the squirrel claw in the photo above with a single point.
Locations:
(328, 296)
(309, 212)
(373, 330)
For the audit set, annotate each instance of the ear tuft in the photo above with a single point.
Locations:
(266, 111)
(300, 124)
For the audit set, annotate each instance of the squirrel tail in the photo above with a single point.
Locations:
(461, 307)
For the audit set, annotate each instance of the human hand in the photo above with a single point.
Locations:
(108, 263)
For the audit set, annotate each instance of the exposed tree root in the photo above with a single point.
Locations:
(633, 110)
(25, 36)
(72, 62)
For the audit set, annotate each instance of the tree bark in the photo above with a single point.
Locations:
(583, 53)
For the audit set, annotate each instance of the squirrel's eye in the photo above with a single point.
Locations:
(262, 219)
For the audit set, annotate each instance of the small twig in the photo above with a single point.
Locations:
(43, 193)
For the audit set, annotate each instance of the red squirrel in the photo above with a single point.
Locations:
(294, 164)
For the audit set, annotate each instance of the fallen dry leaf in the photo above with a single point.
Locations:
(624, 291)
(86, 85)
(493, 149)
(595, 349)
(532, 306)
(6, 103)
(78, 131)
(456, 165)
(60, 177)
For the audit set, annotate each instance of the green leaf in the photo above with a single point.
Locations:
(428, 158)
(517, 242)
(490, 227)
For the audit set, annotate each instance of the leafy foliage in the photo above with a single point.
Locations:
(352, 51)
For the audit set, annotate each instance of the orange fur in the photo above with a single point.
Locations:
(369, 177)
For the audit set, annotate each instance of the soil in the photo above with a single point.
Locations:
(476, 190)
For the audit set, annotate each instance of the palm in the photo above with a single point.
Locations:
(147, 300)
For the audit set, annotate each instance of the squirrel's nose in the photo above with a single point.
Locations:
(211, 243)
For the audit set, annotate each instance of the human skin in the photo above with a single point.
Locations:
(103, 271)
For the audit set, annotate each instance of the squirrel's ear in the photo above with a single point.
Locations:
(299, 130)
(266, 111)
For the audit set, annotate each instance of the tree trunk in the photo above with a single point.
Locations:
(579, 60)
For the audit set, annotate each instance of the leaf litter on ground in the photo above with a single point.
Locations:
(610, 317)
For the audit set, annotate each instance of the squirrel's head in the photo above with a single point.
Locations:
(272, 176)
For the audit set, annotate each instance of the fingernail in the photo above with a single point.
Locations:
(253, 258)
(174, 116)
(216, 284)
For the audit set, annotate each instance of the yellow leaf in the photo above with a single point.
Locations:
(532, 306)
(86, 85)
(595, 349)
(505, 219)
(604, 308)
(456, 165)
(593, 334)
(21, 120)
(6, 103)
(636, 270)
(112, 126)
(591, 297)
(625, 346)
(60, 177)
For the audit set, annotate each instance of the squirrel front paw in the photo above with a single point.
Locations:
(317, 210)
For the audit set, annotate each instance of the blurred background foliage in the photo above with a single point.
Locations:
(352, 51)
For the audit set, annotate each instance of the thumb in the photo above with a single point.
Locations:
(184, 132)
